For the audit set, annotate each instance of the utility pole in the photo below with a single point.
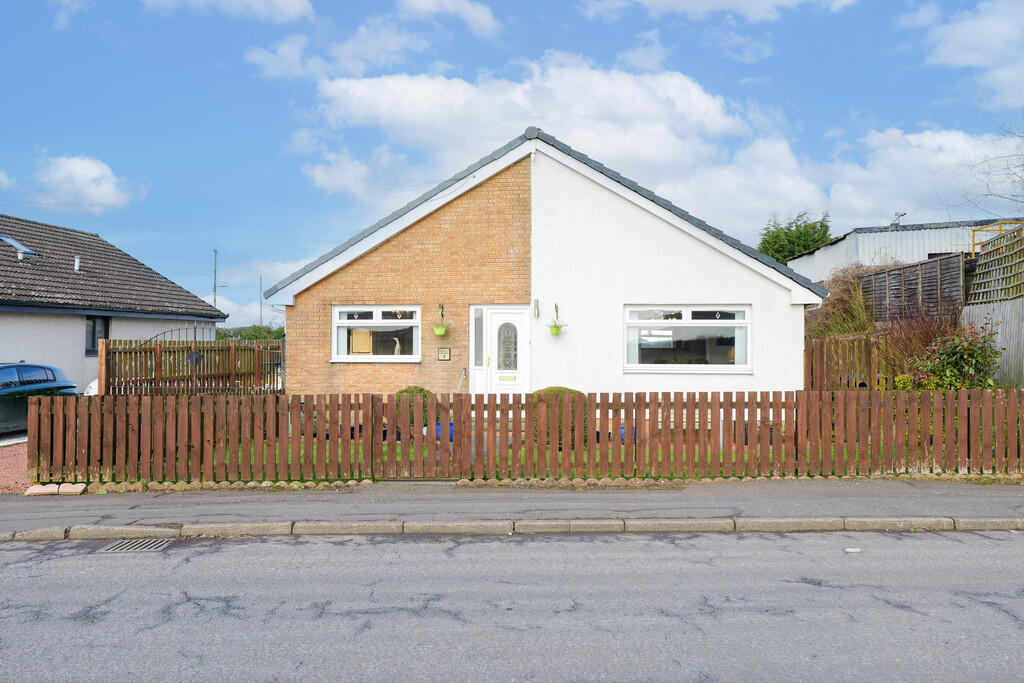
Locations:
(259, 296)
(215, 285)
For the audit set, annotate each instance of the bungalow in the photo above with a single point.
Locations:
(62, 290)
(549, 269)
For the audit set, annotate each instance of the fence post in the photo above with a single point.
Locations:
(158, 366)
(233, 359)
(257, 369)
(102, 353)
(33, 439)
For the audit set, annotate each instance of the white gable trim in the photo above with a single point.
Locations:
(286, 295)
(800, 294)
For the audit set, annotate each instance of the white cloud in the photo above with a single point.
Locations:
(247, 313)
(738, 46)
(65, 10)
(647, 55)
(286, 60)
(81, 183)
(340, 173)
(986, 40)
(6, 181)
(926, 14)
(659, 120)
(477, 16)
(752, 10)
(275, 11)
(379, 43)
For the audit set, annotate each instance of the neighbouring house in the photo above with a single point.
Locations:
(893, 244)
(62, 290)
(652, 299)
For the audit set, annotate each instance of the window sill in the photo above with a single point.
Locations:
(687, 370)
(92, 354)
(378, 359)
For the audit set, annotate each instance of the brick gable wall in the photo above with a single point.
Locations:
(473, 250)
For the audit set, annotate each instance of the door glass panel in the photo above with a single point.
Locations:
(508, 347)
(478, 337)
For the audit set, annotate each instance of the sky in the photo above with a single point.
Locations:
(273, 130)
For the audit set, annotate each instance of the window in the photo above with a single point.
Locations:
(8, 377)
(96, 328)
(31, 374)
(681, 338)
(508, 347)
(376, 334)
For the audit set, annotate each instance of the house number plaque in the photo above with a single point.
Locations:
(444, 354)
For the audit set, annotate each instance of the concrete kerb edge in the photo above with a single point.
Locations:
(531, 526)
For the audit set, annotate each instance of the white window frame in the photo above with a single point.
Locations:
(688, 309)
(377, 321)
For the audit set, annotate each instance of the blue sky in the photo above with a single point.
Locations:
(272, 130)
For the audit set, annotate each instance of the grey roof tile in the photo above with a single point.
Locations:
(109, 279)
(536, 133)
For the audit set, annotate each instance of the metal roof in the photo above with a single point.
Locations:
(908, 228)
(532, 133)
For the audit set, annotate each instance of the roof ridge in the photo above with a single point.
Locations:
(533, 132)
(51, 225)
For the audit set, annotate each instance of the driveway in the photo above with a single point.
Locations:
(13, 474)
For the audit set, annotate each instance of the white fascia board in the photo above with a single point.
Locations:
(799, 294)
(286, 296)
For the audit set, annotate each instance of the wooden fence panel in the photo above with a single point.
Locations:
(231, 438)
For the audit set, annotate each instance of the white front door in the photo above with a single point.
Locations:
(500, 349)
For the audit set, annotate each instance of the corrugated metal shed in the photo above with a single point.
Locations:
(884, 245)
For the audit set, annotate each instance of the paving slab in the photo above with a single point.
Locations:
(679, 525)
(55, 533)
(989, 523)
(340, 528)
(464, 527)
(580, 526)
(237, 529)
(788, 524)
(102, 532)
(899, 524)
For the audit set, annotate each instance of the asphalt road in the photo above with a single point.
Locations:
(680, 607)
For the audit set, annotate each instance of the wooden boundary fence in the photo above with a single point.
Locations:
(930, 286)
(255, 438)
(836, 364)
(128, 367)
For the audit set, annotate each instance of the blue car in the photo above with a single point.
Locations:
(18, 381)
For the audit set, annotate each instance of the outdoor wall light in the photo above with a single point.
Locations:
(536, 308)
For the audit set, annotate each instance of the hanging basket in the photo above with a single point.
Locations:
(440, 330)
(555, 330)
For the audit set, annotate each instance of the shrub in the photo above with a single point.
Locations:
(906, 339)
(845, 310)
(965, 359)
(553, 394)
(412, 392)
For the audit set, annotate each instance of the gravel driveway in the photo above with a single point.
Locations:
(13, 477)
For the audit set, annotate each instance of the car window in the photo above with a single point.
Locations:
(31, 374)
(8, 378)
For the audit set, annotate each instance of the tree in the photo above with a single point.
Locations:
(784, 241)
(251, 332)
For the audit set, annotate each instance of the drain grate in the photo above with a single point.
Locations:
(137, 545)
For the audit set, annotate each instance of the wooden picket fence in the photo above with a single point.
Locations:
(128, 367)
(847, 363)
(255, 438)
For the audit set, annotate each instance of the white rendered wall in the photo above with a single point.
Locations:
(146, 328)
(594, 252)
(59, 340)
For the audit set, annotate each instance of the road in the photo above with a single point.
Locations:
(690, 607)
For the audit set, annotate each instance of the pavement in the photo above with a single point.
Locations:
(782, 505)
(704, 607)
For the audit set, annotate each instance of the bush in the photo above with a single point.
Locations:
(966, 359)
(553, 394)
(907, 339)
(412, 392)
(845, 311)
